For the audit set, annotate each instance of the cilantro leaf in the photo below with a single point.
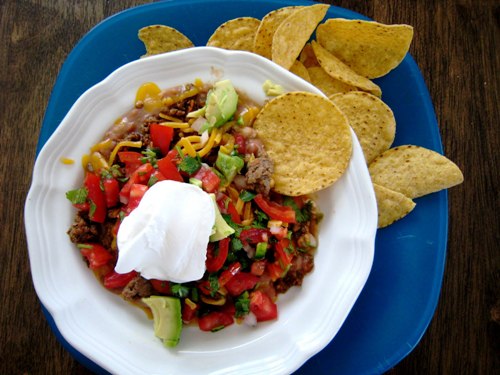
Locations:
(179, 290)
(77, 196)
(247, 196)
(190, 165)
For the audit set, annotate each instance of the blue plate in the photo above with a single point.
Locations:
(399, 299)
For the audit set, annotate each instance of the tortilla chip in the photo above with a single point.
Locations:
(414, 171)
(160, 39)
(307, 56)
(340, 71)
(391, 205)
(293, 124)
(369, 48)
(293, 33)
(236, 34)
(300, 70)
(327, 84)
(264, 36)
(371, 119)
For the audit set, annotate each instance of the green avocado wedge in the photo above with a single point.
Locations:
(167, 318)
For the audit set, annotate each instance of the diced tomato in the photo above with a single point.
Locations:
(111, 191)
(229, 308)
(215, 321)
(240, 141)
(173, 156)
(189, 309)
(137, 191)
(226, 206)
(229, 273)
(85, 207)
(275, 271)
(157, 176)
(235, 216)
(216, 257)
(115, 280)
(210, 182)
(262, 306)
(254, 235)
(161, 136)
(97, 210)
(161, 286)
(258, 267)
(282, 255)
(168, 169)
(240, 282)
(96, 255)
(131, 159)
(274, 210)
(140, 176)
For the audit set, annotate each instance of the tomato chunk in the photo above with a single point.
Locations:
(115, 280)
(209, 180)
(96, 255)
(274, 210)
(168, 169)
(111, 191)
(216, 257)
(215, 321)
(97, 210)
(262, 306)
(161, 136)
(161, 286)
(240, 282)
(131, 159)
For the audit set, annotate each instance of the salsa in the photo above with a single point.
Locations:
(164, 137)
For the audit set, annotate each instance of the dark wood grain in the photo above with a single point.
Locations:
(456, 46)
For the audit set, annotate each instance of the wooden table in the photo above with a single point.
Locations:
(456, 46)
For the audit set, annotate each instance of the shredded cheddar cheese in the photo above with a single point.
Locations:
(112, 157)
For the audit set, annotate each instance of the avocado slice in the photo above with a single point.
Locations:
(167, 318)
(229, 165)
(221, 228)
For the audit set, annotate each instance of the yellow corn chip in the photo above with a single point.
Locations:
(340, 71)
(300, 70)
(327, 84)
(160, 39)
(369, 48)
(264, 35)
(307, 56)
(391, 205)
(371, 119)
(235, 34)
(293, 33)
(293, 124)
(414, 171)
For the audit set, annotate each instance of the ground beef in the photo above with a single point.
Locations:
(259, 174)
(137, 288)
(83, 230)
(302, 264)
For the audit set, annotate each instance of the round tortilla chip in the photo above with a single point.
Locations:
(369, 48)
(327, 84)
(263, 41)
(371, 119)
(309, 140)
(300, 70)
(414, 171)
(160, 39)
(391, 205)
(293, 33)
(236, 34)
(340, 71)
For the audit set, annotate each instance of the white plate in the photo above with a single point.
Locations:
(119, 337)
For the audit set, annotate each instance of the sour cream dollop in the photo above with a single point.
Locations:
(166, 236)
